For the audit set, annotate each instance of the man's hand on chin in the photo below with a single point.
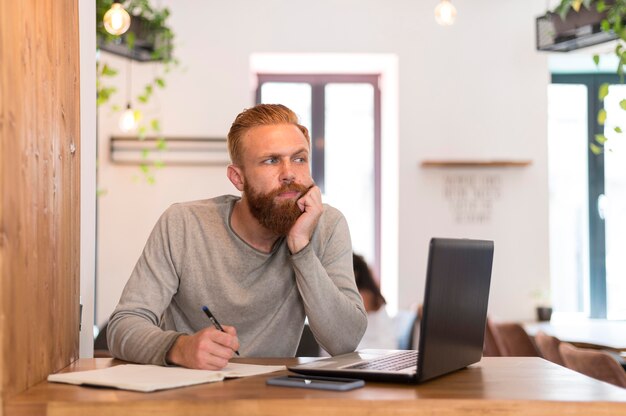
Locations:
(311, 206)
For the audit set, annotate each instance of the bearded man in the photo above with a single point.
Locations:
(262, 262)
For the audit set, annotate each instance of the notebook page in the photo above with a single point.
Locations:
(147, 378)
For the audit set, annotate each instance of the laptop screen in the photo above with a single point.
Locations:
(455, 305)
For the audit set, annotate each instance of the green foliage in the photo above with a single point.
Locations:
(612, 23)
(154, 28)
(603, 91)
(596, 59)
(597, 150)
(602, 117)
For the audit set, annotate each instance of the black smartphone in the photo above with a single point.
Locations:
(315, 382)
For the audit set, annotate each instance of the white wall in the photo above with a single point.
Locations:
(87, 27)
(473, 90)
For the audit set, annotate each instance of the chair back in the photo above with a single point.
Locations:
(549, 347)
(308, 346)
(597, 364)
(513, 341)
(490, 347)
(405, 323)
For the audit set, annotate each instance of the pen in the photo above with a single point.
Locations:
(214, 321)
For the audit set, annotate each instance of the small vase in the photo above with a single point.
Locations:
(544, 313)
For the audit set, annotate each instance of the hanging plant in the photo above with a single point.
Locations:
(149, 39)
(613, 23)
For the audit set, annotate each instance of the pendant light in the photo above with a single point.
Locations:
(116, 19)
(445, 13)
(130, 118)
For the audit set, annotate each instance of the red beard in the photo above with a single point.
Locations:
(276, 216)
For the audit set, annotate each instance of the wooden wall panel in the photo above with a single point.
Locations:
(39, 188)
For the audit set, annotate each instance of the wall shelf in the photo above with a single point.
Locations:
(178, 151)
(459, 163)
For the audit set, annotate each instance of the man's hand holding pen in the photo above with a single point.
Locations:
(207, 349)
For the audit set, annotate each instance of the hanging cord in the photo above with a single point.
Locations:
(129, 81)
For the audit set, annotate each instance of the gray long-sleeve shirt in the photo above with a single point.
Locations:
(194, 258)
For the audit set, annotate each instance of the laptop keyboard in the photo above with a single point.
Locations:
(393, 362)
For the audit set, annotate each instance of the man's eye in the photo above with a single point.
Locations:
(270, 161)
(300, 160)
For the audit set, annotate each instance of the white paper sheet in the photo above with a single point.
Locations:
(147, 378)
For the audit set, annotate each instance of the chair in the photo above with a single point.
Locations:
(490, 347)
(597, 364)
(405, 323)
(549, 347)
(513, 341)
(308, 346)
(100, 345)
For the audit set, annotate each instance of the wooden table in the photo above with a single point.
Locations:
(593, 333)
(495, 386)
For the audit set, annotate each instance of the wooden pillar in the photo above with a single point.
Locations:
(39, 191)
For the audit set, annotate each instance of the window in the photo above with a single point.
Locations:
(587, 196)
(342, 113)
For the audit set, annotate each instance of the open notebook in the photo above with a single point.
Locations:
(147, 378)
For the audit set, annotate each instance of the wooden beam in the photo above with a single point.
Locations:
(40, 191)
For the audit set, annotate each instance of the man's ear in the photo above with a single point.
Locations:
(235, 175)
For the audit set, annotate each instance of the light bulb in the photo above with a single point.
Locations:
(128, 120)
(116, 19)
(445, 13)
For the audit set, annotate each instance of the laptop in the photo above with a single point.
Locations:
(452, 326)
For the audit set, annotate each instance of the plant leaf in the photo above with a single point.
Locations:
(603, 91)
(605, 25)
(130, 40)
(563, 9)
(617, 129)
(601, 6)
(160, 82)
(107, 71)
(601, 138)
(161, 144)
(155, 124)
(596, 59)
(623, 104)
(576, 4)
(595, 148)
(601, 116)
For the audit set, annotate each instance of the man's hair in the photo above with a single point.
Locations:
(259, 115)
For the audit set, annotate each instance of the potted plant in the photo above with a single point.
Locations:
(149, 38)
(542, 304)
(613, 14)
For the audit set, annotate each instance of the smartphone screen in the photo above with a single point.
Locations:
(315, 382)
